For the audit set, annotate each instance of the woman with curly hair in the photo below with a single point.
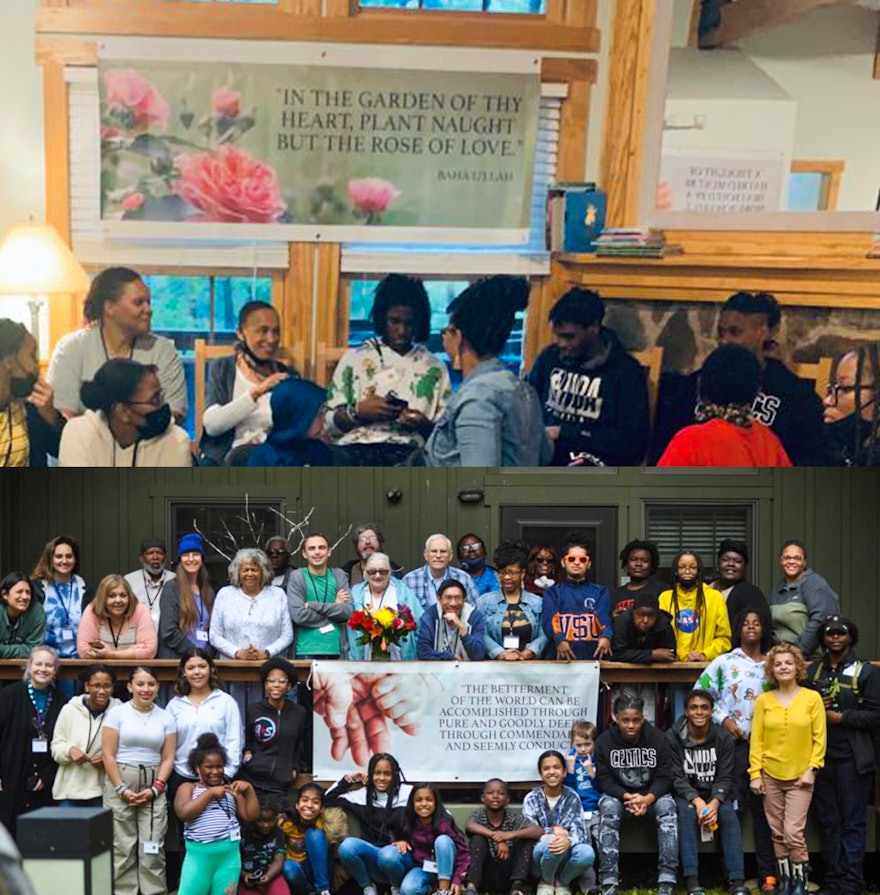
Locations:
(787, 749)
(495, 418)
(542, 569)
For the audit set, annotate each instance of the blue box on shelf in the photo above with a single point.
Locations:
(575, 216)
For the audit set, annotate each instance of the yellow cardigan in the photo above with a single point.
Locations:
(786, 741)
(712, 636)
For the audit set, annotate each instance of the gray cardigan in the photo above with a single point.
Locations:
(316, 615)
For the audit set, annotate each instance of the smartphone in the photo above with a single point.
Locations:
(396, 401)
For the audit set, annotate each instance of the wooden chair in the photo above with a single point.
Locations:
(326, 359)
(652, 360)
(819, 373)
(203, 353)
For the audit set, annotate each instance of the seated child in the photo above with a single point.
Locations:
(263, 848)
(563, 853)
(581, 777)
(501, 844)
(377, 798)
(438, 848)
(307, 863)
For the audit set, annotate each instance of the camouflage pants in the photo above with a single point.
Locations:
(611, 812)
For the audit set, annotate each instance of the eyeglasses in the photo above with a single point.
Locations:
(577, 559)
(797, 559)
(509, 573)
(367, 539)
(835, 390)
(471, 548)
(378, 571)
(156, 401)
(277, 551)
(277, 680)
(688, 568)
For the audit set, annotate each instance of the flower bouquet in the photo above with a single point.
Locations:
(382, 629)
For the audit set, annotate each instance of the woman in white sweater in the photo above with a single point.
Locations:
(76, 744)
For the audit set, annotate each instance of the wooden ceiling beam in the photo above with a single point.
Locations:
(739, 20)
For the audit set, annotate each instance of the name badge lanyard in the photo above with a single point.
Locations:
(159, 587)
(93, 739)
(68, 604)
(39, 716)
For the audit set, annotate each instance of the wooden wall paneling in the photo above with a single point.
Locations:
(227, 20)
(332, 322)
(61, 51)
(300, 7)
(297, 301)
(622, 149)
(340, 7)
(578, 13)
(63, 311)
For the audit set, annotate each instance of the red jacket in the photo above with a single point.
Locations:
(719, 443)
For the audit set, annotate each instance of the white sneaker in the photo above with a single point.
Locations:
(545, 889)
(562, 890)
(395, 890)
(370, 890)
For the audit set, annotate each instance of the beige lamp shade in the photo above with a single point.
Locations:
(35, 261)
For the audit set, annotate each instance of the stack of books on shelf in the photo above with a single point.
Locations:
(635, 242)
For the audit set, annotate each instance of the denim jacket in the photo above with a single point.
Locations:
(494, 420)
(493, 606)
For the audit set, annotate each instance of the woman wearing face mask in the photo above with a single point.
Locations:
(238, 414)
(128, 422)
(118, 312)
(22, 618)
(30, 426)
(28, 713)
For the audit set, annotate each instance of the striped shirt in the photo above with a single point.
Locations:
(217, 821)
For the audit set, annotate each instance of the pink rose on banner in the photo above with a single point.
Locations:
(370, 196)
(230, 186)
(226, 102)
(132, 202)
(131, 95)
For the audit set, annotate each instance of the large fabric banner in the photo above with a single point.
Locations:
(448, 721)
(254, 150)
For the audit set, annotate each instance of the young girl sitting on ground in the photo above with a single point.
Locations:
(438, 848)
(563, 853)
(263, 849)
(307, 866)
(210, 810)
(377, 798)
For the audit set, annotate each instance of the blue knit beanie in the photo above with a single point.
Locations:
(191, 543)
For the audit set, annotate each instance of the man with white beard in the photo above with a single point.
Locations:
(147, 581)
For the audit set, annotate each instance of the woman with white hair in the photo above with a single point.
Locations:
(28, 712)
(251, 618)
(381, 590)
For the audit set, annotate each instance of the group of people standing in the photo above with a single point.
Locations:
(115, 394)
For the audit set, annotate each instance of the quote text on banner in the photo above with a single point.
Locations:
(328, 146)
(447, 721)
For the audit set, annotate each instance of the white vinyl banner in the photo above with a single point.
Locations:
(448, 721)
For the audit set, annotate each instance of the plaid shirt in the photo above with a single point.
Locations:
(420, 582)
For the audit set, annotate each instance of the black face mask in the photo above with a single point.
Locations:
(22, 386)
(156, 422)
(257, 362)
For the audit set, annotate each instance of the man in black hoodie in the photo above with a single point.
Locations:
(634, 771)
(702, 771)
(787, 404)
(594, 394)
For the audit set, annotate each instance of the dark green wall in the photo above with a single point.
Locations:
(835, 512)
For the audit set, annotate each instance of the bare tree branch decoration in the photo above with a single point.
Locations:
(250, 519)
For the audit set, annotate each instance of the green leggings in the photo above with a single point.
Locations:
(210, 868)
